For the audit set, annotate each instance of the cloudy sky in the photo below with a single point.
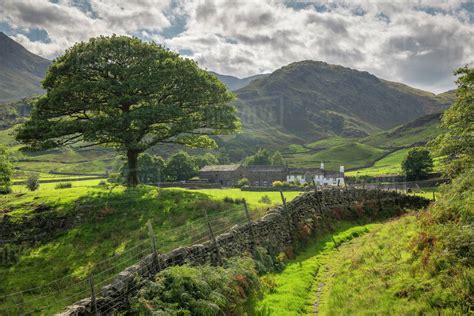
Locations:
(419, 43)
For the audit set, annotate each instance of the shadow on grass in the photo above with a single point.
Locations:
(110, 226)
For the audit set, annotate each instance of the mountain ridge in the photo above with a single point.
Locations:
(313, 99)
(21, 71)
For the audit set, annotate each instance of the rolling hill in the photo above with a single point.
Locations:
(417, 132)
(311, 100)
(20, 71)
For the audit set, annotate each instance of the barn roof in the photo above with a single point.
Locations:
(215, 168)
(265, 168)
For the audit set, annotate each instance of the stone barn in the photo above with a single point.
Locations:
(226, 175)
(264, 176)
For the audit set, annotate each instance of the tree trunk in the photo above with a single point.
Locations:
(132, 177)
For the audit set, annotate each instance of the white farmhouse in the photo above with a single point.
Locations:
(320, 176)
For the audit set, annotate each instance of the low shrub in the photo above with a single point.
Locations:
(243, 182)
(280, 184)
(32, 182)
(265, 199)
(199, 290)
(63, 185)
(5, 190)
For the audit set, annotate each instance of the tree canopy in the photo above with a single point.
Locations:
(264, 157)
(121, 92)
(180, 166)
(457, 144)
(417, 164)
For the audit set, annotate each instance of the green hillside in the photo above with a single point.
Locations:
(312, 99)
(350, 155)
(416, 265)
(417, 132)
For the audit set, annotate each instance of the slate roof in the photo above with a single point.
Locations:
(263, 168)
(305, 171)
(214, 168)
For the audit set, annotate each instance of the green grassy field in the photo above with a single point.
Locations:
(329, 142)
(292, 291)
(106, 223)
(350, 154)
(390, 165)
(91, 160)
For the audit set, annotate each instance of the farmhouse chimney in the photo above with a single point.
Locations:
(341, 169)
(322, 165)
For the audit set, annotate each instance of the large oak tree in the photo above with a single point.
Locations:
(121, 92)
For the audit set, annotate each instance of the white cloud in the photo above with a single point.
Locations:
(67, 24)
(419, 43)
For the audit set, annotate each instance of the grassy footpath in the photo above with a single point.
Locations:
(292, 291)
(379, 274)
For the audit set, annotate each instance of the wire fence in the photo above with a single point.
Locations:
(53, 296)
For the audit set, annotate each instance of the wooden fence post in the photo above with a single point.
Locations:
(152, 236)
(252, 234)
(319, 202)
(348, 198)
(283, 199)
(213, 238)
(93, 297)
(378, 197)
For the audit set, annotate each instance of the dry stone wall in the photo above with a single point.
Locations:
(277, 230)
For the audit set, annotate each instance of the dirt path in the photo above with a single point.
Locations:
(319, 290)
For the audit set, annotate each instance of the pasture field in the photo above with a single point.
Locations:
(349, 154)
(390, 165)
(106, 224)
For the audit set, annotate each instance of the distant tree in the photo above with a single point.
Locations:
(180, 167)
(6, 171)
(457, 144)
(32, 182)
(150, 168)
(277, 159)
(417, 164)
(205, 160)
(130, 95)
(261, 157)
